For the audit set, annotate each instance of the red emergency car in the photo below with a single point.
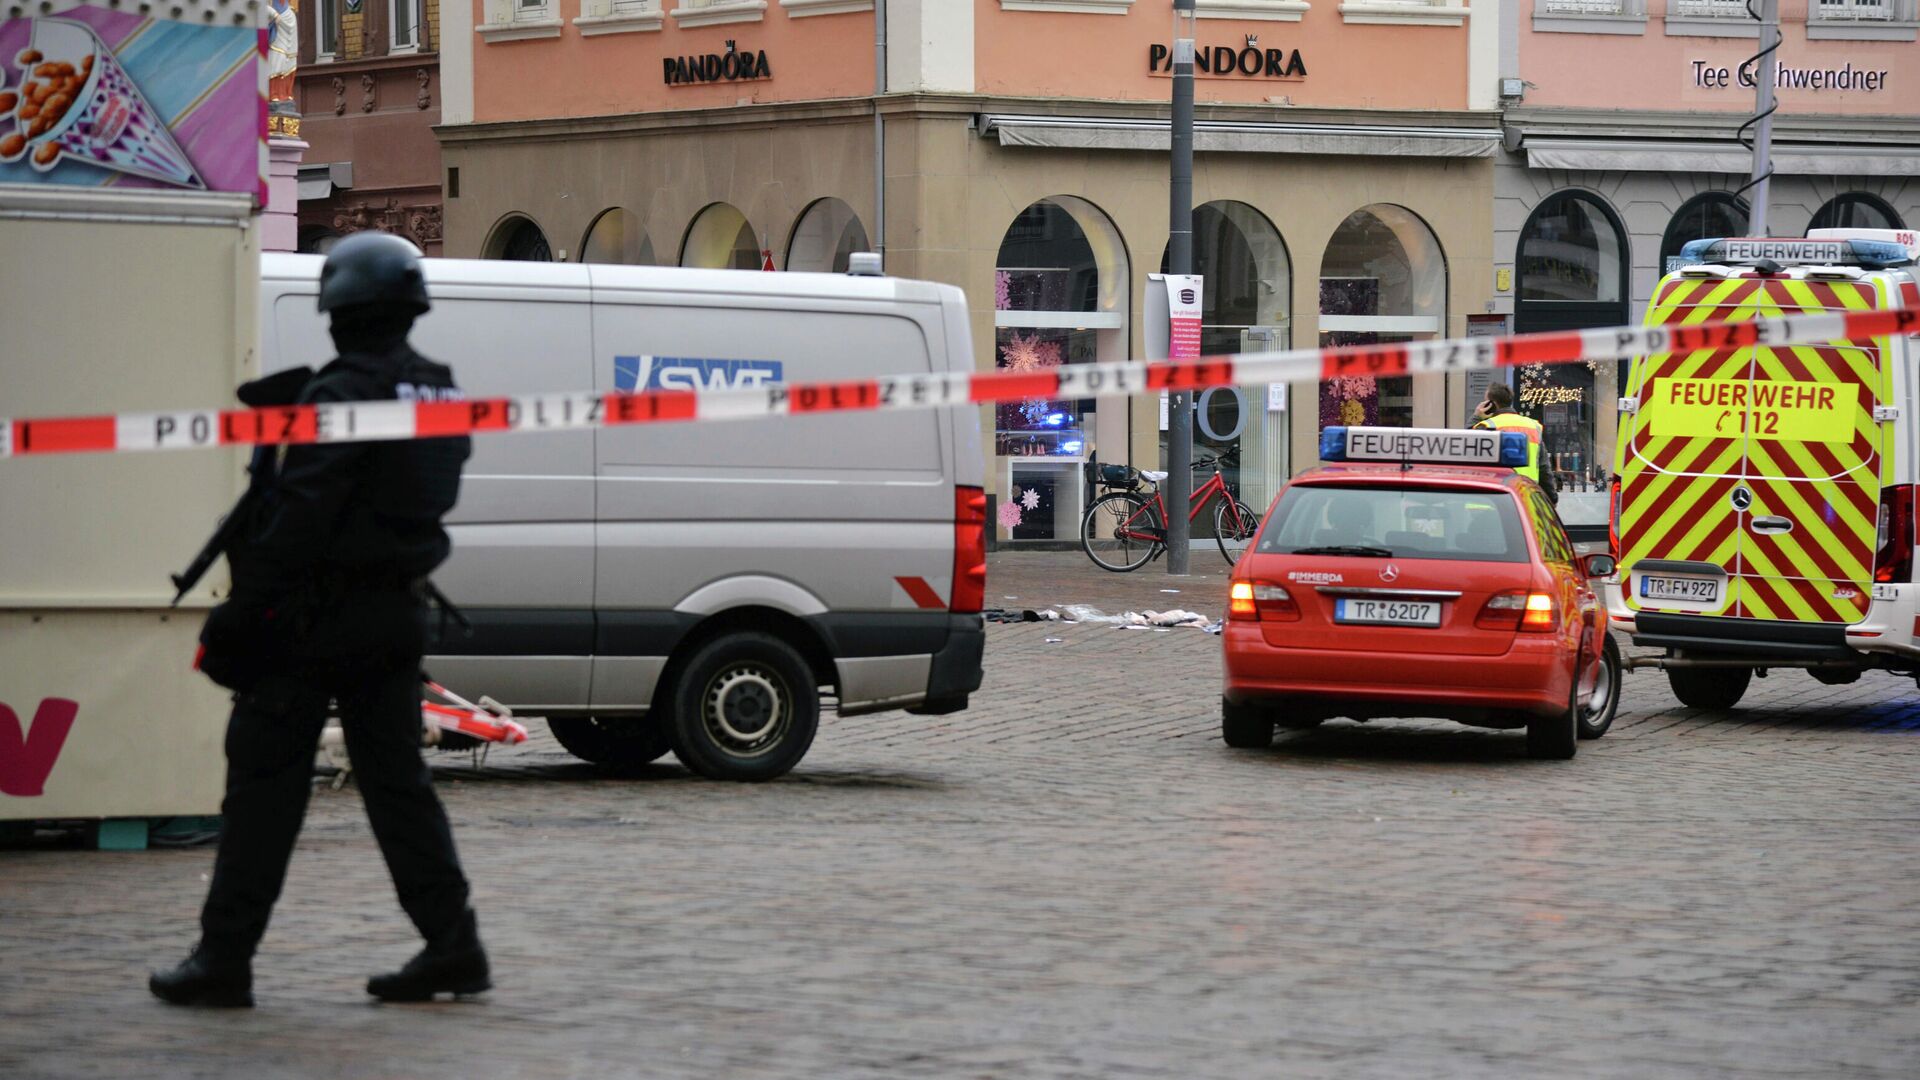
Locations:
(1418, 576)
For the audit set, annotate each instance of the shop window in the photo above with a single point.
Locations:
(1246, 296)
(616, 237)
(1383, 279)
(1855, 210)
(1059, 298)
(1573, 261)
(827, 234)
(720, 238)
(1711, 214)
(517, 239)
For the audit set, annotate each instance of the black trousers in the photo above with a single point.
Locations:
(271, 739)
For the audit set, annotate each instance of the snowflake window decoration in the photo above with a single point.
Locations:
(1009, 513)
(1030, 499)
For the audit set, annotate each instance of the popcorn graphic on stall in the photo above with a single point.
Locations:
(74, 100)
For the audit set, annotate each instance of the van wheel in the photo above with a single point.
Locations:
(1596, 714)
(1245, 727)
(745, 707)
(623, 742)
(1556, 737)
(1709, 688)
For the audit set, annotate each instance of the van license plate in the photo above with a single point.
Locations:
(1387, 612)
(1693, 589)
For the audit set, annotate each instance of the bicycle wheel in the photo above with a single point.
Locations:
(1121, 531)
(1233, 526)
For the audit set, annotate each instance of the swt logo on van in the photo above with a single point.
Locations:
(632, 374)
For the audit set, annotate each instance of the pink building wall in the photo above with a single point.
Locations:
(824, 56)
(1349, 65)
(1658, 71)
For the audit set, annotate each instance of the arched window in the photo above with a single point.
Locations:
(517, 239)
(827, 233)
(1383, 278)
(720, 238)
(1245, 297)
(616, 237)
(1709, 214)
(1573, 262)
(1060, 297)
(1855, 210)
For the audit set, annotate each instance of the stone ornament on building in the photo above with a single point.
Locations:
(339, 96)
(423, 224)
(369, 92)
(424, 98)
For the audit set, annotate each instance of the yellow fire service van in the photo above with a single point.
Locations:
(1764, 497)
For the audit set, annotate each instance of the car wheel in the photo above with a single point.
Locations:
(1245, 727)
(1709, 688)
(1596, 714)
(622, 742)
(745, 707)
(1556, 737)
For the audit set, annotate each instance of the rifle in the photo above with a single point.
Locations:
(282, 388)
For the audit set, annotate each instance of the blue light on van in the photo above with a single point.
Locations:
(1426, 446)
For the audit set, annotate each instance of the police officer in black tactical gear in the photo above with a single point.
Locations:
(328, 603)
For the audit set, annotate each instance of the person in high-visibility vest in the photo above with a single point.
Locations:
(1497, 412)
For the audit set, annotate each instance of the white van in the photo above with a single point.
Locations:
(1764, 500)
(696, 586)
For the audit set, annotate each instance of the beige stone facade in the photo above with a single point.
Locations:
(952, 193)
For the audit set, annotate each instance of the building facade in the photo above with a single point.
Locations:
(1025, 161)
(367, 90)
(1621, 120)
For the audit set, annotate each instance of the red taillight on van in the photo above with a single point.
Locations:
(1519, 610)
(969, 550)
(1613, 519)
(1893, 556)
(1257, 601)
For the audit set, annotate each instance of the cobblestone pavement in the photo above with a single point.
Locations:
(1076, 878)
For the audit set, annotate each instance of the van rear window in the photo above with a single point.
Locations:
(1402, 523)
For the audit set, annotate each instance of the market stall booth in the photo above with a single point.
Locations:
(132, 166)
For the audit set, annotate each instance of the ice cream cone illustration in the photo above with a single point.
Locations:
(75, 101)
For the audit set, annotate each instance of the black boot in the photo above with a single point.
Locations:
(454, 964)
(206, 978)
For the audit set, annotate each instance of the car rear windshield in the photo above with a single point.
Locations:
(1400, 523)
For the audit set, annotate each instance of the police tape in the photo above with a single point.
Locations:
(376, 421)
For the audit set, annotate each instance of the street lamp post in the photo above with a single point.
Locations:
(1180, 261)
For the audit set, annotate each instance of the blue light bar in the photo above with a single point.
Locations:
(1425, 446)
(1728, 250)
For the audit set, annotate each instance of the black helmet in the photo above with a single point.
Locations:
(373, 268)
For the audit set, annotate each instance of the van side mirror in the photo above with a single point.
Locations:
(1600, 565)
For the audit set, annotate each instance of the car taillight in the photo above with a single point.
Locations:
(1613, 520)
(1254, 601)
(1518, 610)
(1893, 555)
(969, 550)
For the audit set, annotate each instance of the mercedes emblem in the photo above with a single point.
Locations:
(1389, 573)
(1741, 498)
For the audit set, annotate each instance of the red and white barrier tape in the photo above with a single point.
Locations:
(372, 421)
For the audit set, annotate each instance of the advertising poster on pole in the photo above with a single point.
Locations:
(101, 97)
(1172, 321)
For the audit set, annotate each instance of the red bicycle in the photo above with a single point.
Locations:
(1124, 529)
